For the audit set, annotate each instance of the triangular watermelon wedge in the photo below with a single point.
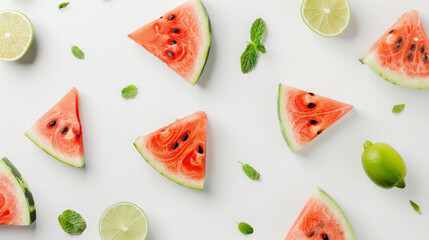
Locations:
(322, 219)
(305, 115)
(401, 55)
(59, 132)
(178, 151)
(181, 38)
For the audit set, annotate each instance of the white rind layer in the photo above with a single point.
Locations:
(139, 143)
(284, 119)
(372, 62)
(72, 161)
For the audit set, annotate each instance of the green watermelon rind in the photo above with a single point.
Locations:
(69, 161)
(337, 211)
(205, 28)
(198, 185)
(372, 62)
(15, 175)
(284, 122)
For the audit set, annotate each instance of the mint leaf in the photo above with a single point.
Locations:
(261, 48)
(257, 31)
(416, 207)
(398, 108)
(249, 58)
(72, 222)
(129, 91)
(250, 171)
(77, 52)
(245, 228)
(63, 5)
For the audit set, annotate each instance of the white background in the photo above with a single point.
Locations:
(242, 115)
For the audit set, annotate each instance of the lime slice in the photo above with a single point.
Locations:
(16, 35)
(123, 221)
(328, 18)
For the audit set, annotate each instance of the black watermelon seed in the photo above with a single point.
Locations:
(171, 17)
(399, 40)
(175, 145)
(422, 49)
(319, 132)
(325, 237)
(391, 31)
(170, 54)
(313, 122)
(185, 137)
(311, 105)
(311, 94)
(64, 129)
(410, 56)
(425, 57)
(175, 30)
(311, 234)
(412, 47)
(78, 136)
(173, 42)
(200, 150)
(398, 46)
(51, 124)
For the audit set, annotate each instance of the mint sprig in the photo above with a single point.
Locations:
(63, 5)
(249, 58)
(398, 108)
(77, 52)
(129, 91)
(245, 228)
(416, 207)
(72, 222)
(250, 171)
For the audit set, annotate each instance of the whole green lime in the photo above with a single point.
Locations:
(383, 165)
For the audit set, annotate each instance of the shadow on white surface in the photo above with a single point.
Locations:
(30, 56)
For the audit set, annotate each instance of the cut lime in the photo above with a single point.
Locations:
(328, 18)
(16, 35)
(123, 221)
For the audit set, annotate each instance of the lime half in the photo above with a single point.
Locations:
(123, 221)
(16, 35)
(328, 18)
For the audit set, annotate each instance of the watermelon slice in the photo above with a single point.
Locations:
(178, 151)
(305, 115)
(322, 219)
(401, 55)
(59, 131)
(16, 201)
(181, 38)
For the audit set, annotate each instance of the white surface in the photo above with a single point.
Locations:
(242, 116)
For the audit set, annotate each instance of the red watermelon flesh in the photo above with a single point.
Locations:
(59, 132)
(305, 115)
(401, 55)
(321, 219)
(178, 151)
(180, 38)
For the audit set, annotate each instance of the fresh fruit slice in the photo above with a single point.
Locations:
(16, 201)
(16, 35)
(401, 55)
(59, 131)
(181, 38)
(328, 18)
(123, 221)
(305, 115)
(321, 218)
(178, 151)
(383, 165)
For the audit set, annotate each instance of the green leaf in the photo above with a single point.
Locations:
(77, 52)
(129, 91)
(398, 108)
(250, 171)
(257, 31)
(245, 228)
(249, 58)
(72, 222)
(261, 48)
(63, 5)
(416, 207)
